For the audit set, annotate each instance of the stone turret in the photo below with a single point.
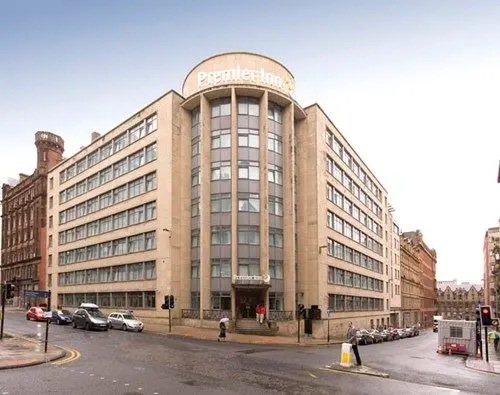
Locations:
(50, 148)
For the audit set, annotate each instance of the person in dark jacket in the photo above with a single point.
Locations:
(353, 339)
(222, 327)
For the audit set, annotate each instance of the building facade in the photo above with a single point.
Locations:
(394, 283)
(491, 271)
(428, 258)
(226, 196)
(24, 206)
(459, 301)
(411, 283)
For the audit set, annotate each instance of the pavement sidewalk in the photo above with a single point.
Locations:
(492, 366)
(17, 351)
(212, 333)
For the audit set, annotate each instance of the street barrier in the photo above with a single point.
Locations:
(345, 356)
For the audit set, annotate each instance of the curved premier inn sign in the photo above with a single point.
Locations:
(239, 75)
(239, 68)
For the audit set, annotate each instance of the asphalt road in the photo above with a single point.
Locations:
(117, 362)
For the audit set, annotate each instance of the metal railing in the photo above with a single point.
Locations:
(280, 315)
(216, 315)
(191, 313)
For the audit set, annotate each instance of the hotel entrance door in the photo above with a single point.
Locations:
(247, 300)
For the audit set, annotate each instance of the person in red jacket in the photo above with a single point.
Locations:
(258, 313)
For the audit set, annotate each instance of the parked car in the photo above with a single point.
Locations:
(61, 317)
(124, 320)
(395, 334)
(387, 335)
(377, 336)
(408, 332)
(36, 313)
(402, 333)
(415, 330)
(364, 337)
(89, 319)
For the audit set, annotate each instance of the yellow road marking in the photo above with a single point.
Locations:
(312, 375)
(73, 356)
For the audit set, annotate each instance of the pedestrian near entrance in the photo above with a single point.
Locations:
(258, 314)
(353, 339)
(222, 327)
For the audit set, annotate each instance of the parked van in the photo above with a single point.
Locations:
(89, 316)
(437, 318)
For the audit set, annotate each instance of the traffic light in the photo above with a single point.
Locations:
(486, 315)
(166, 303)
(9, 290)
(171, 301)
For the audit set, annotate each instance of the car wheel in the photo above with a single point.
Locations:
(124, 327)
(140, 330)
(74, 324)
(27, 317)
(87, 326)
(58, 321)
(110, 325)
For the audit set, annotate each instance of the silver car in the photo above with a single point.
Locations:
(125, 321)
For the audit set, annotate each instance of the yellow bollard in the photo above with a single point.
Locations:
(345, 356)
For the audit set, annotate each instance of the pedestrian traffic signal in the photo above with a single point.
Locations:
(301, 311)
(171, 301)
(166, 303)
(486, 315)
(9, 290)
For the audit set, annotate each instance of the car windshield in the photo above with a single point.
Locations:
(65, 312)
(96, 313)
(128, 317)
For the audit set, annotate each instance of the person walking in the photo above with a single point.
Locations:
(262, 313)
(353, 339)
(222, 327)
(258, 313)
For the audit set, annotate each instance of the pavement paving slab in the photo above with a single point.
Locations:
(17, 351)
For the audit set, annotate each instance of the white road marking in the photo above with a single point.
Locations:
(91, 374)
(139, 389)
(82, 372)
(102, 378)
(127, 384)
(114, 381)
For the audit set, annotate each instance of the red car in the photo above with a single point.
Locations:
(36, 313)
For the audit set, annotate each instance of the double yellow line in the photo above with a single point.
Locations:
(71, 355)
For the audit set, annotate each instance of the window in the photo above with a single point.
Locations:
(221, 203)
(221, 138)
(221, 268)
(106, 199)
(151, 124)
(195, 238)
(136, 160)
(150, 270)
(120, 168)
(136, 187)
(119, 273)
(50, 240)
(120, 142)
(151, 182)
(248, 170)
(92, 205)
(150, 240)
(195, 207)
(195, 269)
(195, 146)
(80, 232)
(150, 211)
(120, 194)
(274, 143)
(274, 112)
(221, 236)
(248, 267)
(92, 228)
(51, 202)
(221, 108)
(136, 243)
(135, 271)
(105, 249)
(276, 269)
(195, 177)
(137, 132)
(51, 221)
(338, 224)
(248, 138)
(275, 238)
(105, 275)
(92, 252)
(151, 152)
(248, 106)
(136, 215)
(106, 150)
(221, 301)
(276, 206)
(248, 203)
(275, 174)
(51, 183)
(249, 236)
(93, 181)
(106, 175)
(91, 275)
(221, 171)
(92, 158)
(120, 220)
(50, 260)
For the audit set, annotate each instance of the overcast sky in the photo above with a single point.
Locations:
(413, 85)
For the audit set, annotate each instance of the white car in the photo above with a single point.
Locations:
(125, 321)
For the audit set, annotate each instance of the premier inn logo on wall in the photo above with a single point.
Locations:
(221, 77)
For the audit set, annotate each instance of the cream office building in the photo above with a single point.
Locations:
(226, 196)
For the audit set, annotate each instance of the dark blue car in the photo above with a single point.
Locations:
(61, 317)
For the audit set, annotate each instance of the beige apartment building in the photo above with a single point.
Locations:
(226, 196)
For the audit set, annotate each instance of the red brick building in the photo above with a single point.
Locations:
(428, 259)
(24, 227)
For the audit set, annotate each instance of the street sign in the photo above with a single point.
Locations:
(36, 294)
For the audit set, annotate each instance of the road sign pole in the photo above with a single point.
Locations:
(486, 343)
(169, 319)
(3, 311)
(298, 328)
(47, 326)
